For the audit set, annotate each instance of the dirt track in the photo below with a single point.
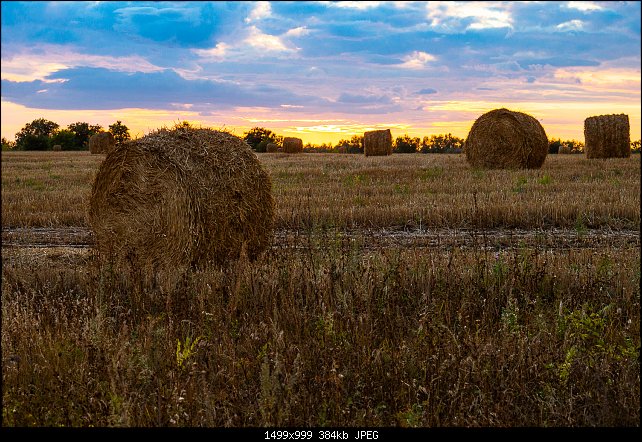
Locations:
(495, 239)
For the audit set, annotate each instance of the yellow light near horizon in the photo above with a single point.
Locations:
(560, 120)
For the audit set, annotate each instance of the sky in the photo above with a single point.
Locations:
(321, 71)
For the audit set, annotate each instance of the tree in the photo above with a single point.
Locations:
(65, 138)
(120, 132)
(353, 145)
(554, 145)
(259, 137)
(7, 145)
(82, 133)
(35, 135)
(442, 144)
(635, 146)
(406, 144)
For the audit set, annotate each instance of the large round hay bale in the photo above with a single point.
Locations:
(102, 142)
(57, 147)
(181, 197)
(292, 145)
(271, 147)
(607, 136)
(504, 139)
(564, 149)
(377, 143)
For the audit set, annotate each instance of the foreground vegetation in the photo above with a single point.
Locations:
(331, 328)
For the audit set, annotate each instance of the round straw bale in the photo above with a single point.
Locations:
(102, 142)
(504, 139)
(181, 197)
(292, 145)
(271, 147)
(57, 147)
(564, 149)
(607, 136)
(377, 143)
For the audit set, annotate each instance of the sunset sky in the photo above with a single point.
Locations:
(320, 71)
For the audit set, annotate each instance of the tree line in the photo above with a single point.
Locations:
(42, 134)
(259, 137)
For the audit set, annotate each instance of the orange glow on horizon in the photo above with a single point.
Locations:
(560, 120)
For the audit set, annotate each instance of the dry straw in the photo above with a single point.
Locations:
(271, 147)
(377, 143)
(292, 145)
(564, 149)
(504, 139)
(102, 142)
(607, 136)
(181, 197)
(57, 147)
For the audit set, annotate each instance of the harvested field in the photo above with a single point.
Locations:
(407, 290)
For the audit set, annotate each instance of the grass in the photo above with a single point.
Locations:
(332, 329)
(353, 191)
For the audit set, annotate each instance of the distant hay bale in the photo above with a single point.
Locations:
(342, 149)
(504, 139)
(271, 147)
(102, 142)
(181, 197)
(607, 136)
(292, 145)
(377, 143)
(564, 149)
(57, 147)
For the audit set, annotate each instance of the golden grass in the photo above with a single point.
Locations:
(353, 191)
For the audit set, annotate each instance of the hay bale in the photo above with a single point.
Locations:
(292, 145)
(607, 136)
(102, 142)
(271, 147)
(504, 139)
(57, 147)
(342, 149)
(181, 197)
(377, 143)
(564, 149)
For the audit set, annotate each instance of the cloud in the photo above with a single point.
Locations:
(361, 5)
(363, 99)
(571, 25)
(39, 64)
(217, 52)
(455, 16)
(583, 6)
(417, 60)
(426, 91)
(297, 32)
(261, 10)
(97, 88)
(265, 42)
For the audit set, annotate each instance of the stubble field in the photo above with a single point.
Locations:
(408, 290)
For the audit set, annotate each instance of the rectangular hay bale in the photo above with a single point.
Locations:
(377, 143)
(607, 136)
(292, 145)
